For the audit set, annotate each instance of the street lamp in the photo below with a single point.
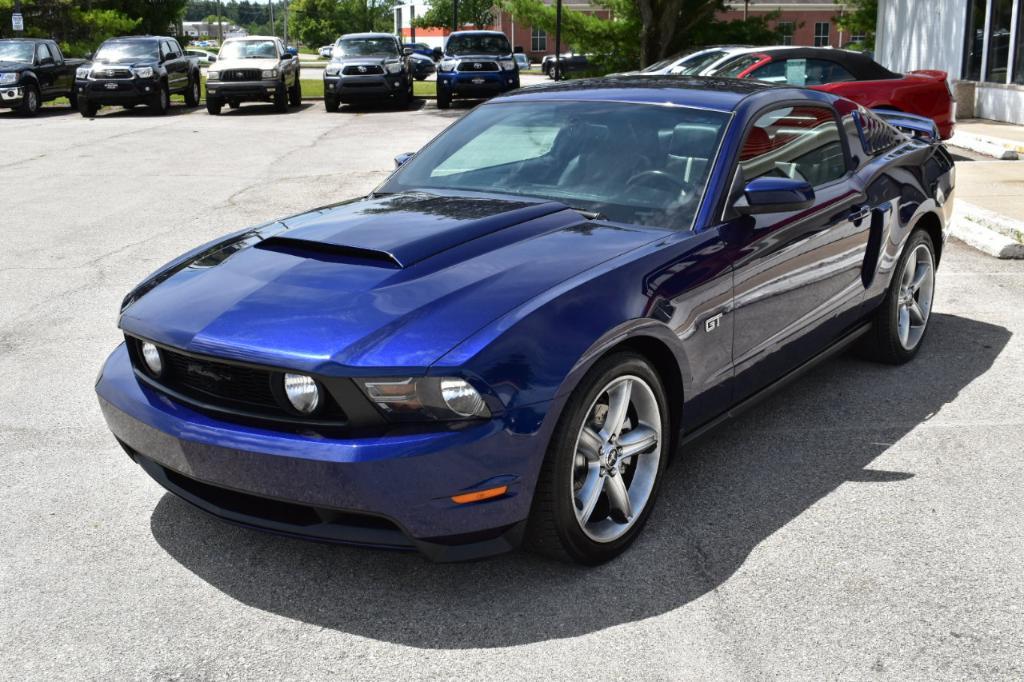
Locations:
(558, 39)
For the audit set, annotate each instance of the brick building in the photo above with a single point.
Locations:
(803, 22)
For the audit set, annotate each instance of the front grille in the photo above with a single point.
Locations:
(112, 73)
(363, 70)
(241, 75)
(478, 66)
(210, 379)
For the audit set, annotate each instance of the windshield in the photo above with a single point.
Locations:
(366, 47)
(478, 44)
(634, 163)
(248, 49)
(734, 68)
(16, 52)
(687, 64)
(113, 53)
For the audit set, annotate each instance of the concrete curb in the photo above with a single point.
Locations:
(996, 147)
(987, 231)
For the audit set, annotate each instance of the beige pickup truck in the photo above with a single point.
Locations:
(253, 69)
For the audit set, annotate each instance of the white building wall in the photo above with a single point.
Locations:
(921, 34)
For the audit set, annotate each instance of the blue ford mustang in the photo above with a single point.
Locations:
(511, 337)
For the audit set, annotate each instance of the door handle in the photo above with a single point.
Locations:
(859, 214)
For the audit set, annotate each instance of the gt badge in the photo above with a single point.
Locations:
(712, 323)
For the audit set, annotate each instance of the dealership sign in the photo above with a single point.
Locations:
(17, 22)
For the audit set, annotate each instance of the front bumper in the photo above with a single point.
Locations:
(389, 490)
(477, 84)
(353, 88)
(11, 96)
(117, 92)
(244, 91)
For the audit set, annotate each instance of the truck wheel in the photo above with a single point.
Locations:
(161, 101)
(295, 93)
(281, 101)
(331, 103)
(73, 99)
(30, 102)
(87, 108)
(192, 93)
(213, 106)
(444, 99)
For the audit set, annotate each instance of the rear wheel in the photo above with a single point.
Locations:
(30, 102)
(295, 93)
(192, 93)
(901, 321)
(600, 477)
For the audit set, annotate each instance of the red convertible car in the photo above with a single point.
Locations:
(853, 75)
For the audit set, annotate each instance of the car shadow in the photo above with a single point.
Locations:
(144, 111)
(722, 497)
(414, 104)
(260, 109)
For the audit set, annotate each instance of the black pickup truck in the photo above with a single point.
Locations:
(33, 71)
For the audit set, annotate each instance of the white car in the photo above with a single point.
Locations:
(704, 61)
(204, 57)
(326, 51)
(522, 61)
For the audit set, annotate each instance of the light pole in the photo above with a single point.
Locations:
(558, 40)
(455, 15)
(273, 27)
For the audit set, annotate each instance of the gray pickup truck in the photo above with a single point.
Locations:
(367, 67)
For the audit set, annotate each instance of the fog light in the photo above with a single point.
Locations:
(302, 392)
(151, 356)
(461, 398)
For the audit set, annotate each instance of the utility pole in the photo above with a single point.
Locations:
(273, 27)
(412, 23)
(220, 24)
(286, 25)
(558, 40)
(455, 15)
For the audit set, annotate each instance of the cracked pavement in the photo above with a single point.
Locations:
(865, 521)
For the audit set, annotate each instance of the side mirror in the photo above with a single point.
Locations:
(402, 158)
(212, 58)
(407, 51)
(772, 195)
(438, 54)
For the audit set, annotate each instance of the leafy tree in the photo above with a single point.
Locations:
(479, 13)
(78, 30)
(319, 22)
(860, 18)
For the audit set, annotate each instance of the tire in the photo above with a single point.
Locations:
(87, 108)
(30, 103)
(161, 102)
(235, 105)
(403, 99)
(331, 104)
(192, 92)
(560, 524)
(73, 100)
(900, 322)
(213, 106)
(444, 99)
(295, 93)
(281, 101)
(128, 106)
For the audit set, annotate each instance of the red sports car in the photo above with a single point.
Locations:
(853, 75)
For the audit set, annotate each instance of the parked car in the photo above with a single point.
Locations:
(368, 67)
(33, 71)
(421, 66)
(134, 70)
(421, 49)
(253, 69)
(522, 61)
(203, 57)
(511, 337)
(476, 65)
(568, 63)
(850, 74)
(694, 61)
(325, 51)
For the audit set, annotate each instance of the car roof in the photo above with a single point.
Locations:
(860, 65)
(136, 39)
(368, 35)
(480, 32)
(719, 94)
(242, 38)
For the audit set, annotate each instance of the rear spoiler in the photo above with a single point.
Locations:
(930, 73)
(912, 124)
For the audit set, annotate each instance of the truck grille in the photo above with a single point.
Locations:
(241, 75)
(363, 70)
(112, 73)
(478, 66)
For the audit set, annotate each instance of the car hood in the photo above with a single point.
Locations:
(14, 66)
(364, 60)
(261, 64)
(387, 282)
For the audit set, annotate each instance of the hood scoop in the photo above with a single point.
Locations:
(400, 230)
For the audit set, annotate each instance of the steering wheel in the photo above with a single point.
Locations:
(662, 180)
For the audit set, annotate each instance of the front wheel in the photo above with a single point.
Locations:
(30, 102)
(600, 476)
(213, 106)
(901, 321)
(295, 93)
(87, 108)
(331, 103)
(161, 103)
(444, 98)
(281, 100)
(192, 93)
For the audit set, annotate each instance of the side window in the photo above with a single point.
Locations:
(802, 72)
(168, 49)
(176, 46)
(58, 58)
(800, 142)
(737, 66)
(42, 54)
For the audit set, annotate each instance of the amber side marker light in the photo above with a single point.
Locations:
(478, 495)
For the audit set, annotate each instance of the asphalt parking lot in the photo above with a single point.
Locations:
(867, 521)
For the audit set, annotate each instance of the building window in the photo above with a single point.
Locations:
(785, 30)
(821, 34)
(991, 54)
(1018, 57)
(857, 38)
(999, 41)
(538, 41)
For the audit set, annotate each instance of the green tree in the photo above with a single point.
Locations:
(320, 22)
(860, 17)
(479, 13)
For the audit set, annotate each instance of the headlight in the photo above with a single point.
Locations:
(426, 398)
(213, 75)
(447, 65)
(302, 392)
(508, 65)
(144, 72)
(8, 78)
(333, 69)
(395, 67)
(81, 72)
(270, 74)
(152, 358)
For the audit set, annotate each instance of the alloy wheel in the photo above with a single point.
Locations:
(917, 287)
(616, 459)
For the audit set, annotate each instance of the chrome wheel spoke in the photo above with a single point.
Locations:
(618, 406)
(917, 317)
(618, 499)
(589, 444)
(637, 441)
(903, 324)
(589, 495)
(919, 276)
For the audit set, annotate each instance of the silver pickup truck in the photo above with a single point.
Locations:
(253, 69)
